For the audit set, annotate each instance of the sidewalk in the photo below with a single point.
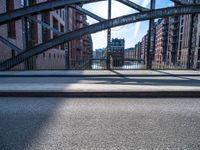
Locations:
(100, 84)
(105, 73)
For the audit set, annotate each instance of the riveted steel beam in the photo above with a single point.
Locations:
(119, 21)
(133, 5)
(10, 45)
(38, 8)
(88, 13)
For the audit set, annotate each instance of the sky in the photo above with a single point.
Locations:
(132, 33)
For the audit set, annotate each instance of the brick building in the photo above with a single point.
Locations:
(11, 31)
(173, 38)
(144, 47)
(130, 53)
(161, 40)
(80, 50)
(184, 39)
(138, 50)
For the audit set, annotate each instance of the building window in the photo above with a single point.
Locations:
(181, 29)
(13, 53)
(11, 24)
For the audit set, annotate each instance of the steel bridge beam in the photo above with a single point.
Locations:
(119, 21)
(179, 2)
(38, 8)
(133, 5)
(10, 45)
(88, 13)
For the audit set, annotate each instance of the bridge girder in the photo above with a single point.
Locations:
(133, 5)
(119, 21)
(56, 4)
(41, 7)
(88, 13)
(179, 2)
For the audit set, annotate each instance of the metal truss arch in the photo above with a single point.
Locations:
(41, 7)
(119, 21)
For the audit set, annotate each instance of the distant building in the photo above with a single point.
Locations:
(99, 53)
(138, 50)
(117, 52)
(130, 53)
(161, 40)
(144, 46)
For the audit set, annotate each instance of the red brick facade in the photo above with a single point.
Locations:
(80, 49)
(161, 40)
(54, 58)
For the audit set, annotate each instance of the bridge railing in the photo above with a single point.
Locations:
(58, 62)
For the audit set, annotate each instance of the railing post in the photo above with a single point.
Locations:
(190, 57)
(109, 36)
(151, 36)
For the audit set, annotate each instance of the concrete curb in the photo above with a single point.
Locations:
(144, 94)
(110, 75)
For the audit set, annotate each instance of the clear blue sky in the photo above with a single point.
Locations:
(132, 33)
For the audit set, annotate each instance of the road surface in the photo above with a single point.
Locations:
(99, 124)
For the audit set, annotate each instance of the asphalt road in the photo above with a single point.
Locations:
(99, 124)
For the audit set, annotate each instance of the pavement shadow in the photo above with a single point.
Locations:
(23, 122)
(170, 79)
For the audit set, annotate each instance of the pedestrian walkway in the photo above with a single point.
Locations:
(81, 73)
(101, 83)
